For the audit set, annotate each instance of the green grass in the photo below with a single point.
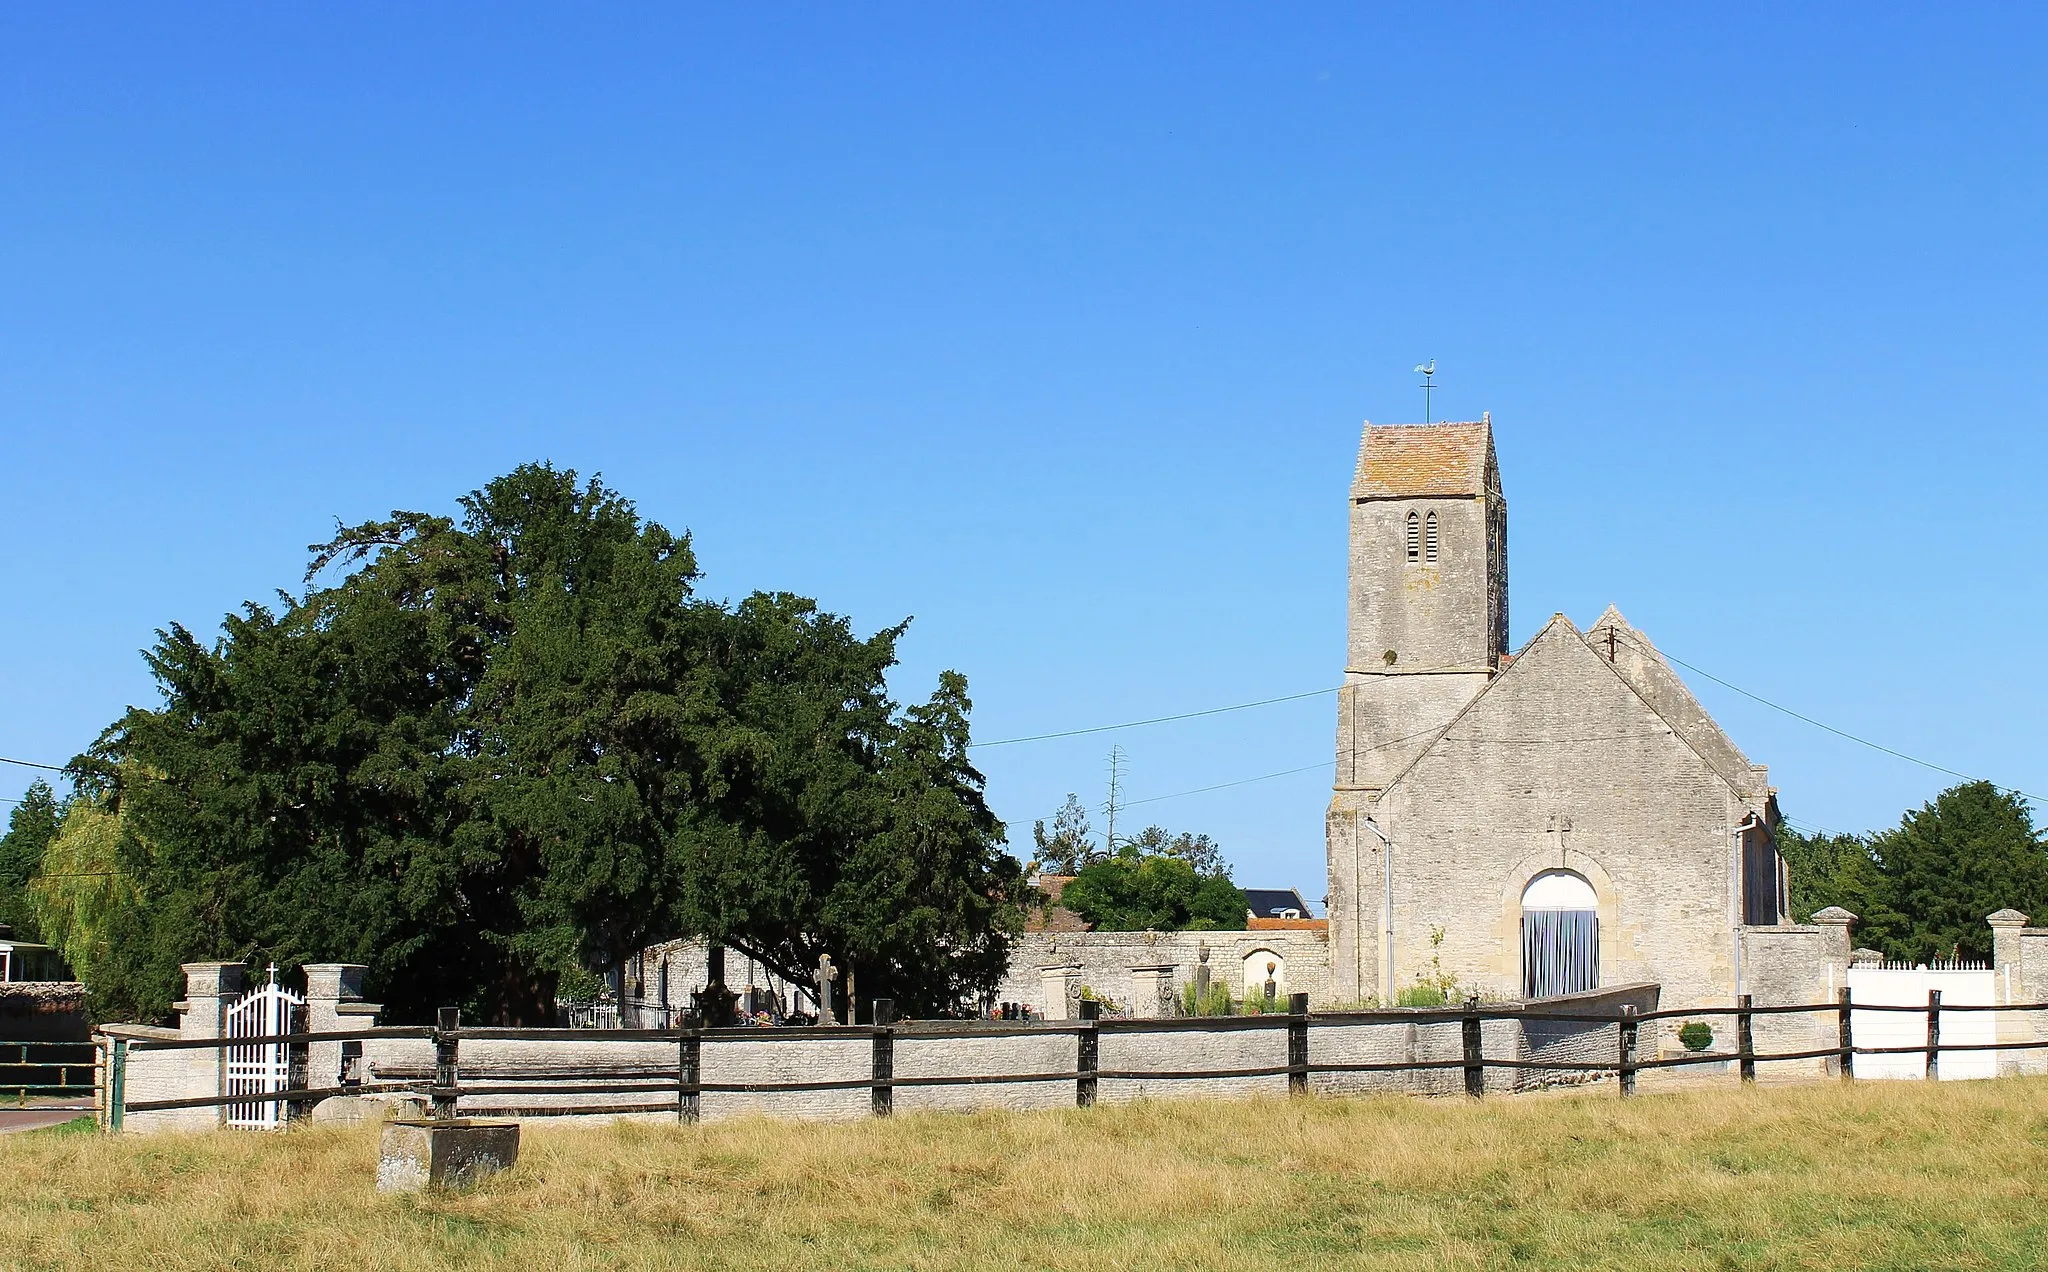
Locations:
(1865, 1176)
(76, 1126)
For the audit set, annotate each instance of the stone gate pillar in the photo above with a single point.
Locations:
(1836, 947)
(210, 989)
(334, 1002)
(2005, 952)
(1836, 954)
(2008, 927)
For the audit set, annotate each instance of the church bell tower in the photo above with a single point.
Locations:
(1428, 629)
(1429, 591)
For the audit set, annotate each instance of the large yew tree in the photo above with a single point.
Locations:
(500, 748)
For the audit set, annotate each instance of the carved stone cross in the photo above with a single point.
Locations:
(1561, 826)
(826, 973)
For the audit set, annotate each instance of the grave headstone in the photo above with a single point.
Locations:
(825, 976)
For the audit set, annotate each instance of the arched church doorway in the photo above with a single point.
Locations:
(1560, 935)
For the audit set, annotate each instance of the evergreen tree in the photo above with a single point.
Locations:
(1199, 851)
(1830, 869)
(503, 749)
(30, 828)
(1071, 843)
(1922, 889)
(1948, 864)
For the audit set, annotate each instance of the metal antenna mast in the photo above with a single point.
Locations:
(1426, 370)
(1116, 791)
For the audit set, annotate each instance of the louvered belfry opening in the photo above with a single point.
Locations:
(1560, 936)
(1414, 537)
(1429, 537)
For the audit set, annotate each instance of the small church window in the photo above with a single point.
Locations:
(1429, 538)
(1414, 537)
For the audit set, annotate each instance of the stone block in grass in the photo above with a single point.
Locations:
(420, 1153)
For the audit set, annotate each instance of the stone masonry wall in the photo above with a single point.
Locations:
(742, 1058)
(1102, 961)
(1560, 765)
(1786, 965)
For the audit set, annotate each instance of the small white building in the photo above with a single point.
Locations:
(29, 961)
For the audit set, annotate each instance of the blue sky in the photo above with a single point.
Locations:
(1054, 328)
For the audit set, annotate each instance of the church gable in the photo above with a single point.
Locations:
(1558, 696)
(1637, 661)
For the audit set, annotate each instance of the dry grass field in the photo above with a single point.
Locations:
(1876, 1175)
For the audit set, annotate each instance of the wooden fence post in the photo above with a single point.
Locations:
(1625, 1063)
(445, 1042)
(1297, 1044)
(1745, 1040)
(1475, 1062)
(1087, 1051)
(882, 1083)
(1846, 1037)
(690, 1069)
(1933, 1035)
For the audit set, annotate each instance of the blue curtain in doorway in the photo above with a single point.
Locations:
(1560, 952)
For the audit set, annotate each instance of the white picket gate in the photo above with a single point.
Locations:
(261, 1068)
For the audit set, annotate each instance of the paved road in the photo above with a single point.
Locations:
(30, 1119)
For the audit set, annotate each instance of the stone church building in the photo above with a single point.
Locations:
(1530, 823)
(1525, 824)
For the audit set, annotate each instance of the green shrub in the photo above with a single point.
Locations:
(1255, 1004)
(1697, 1035)
(1215, 1003)
(1421, 996)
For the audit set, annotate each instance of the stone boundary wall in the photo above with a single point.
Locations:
(1783, 965)
(921, 1049)
(1106, 963)
(43, 1011)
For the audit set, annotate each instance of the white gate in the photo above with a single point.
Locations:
(261, 1068)
(1905, 985)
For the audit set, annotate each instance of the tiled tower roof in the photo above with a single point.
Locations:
(1402, 461)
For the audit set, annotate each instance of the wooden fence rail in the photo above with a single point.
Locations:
(681, 1088)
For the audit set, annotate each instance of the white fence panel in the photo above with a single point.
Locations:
(1898, 985)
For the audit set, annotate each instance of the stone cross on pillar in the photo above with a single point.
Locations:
(826, 973)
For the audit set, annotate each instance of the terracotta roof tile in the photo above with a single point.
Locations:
(1405, 460)
(1257, 924)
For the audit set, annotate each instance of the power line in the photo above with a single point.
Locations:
(1243, 781)
(1246, 781)
(54, 768)
(1314, 693)
(1841, 733)
(1133, 724)
(1808, 827)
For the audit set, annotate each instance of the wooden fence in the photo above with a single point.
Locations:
(680, 1088)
